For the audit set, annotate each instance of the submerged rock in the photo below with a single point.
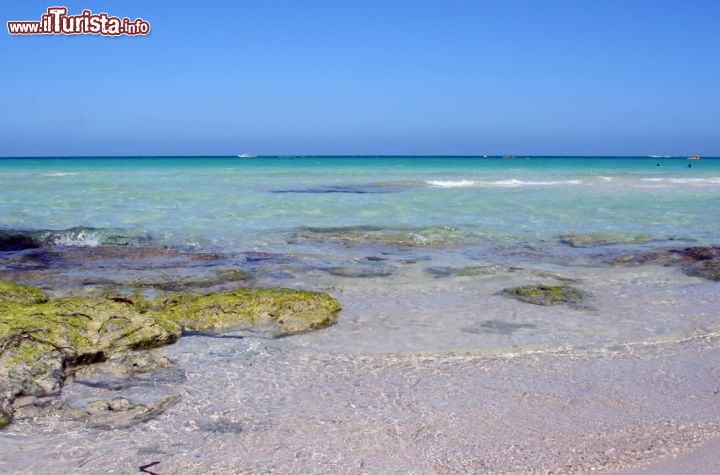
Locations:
(431, 236)
(497, 327)
(119, 412)
(546, 294)
(358, 272)
(17, 242)
(220, 277)
(41, 340)
(698, 261)
(604, 239)
(471, 271)
(77, 236)
(284, 311)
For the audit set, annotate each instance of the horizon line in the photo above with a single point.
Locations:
(507, 156)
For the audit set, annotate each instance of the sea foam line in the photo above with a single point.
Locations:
(701, 181)
(60, 174)
(510, 182)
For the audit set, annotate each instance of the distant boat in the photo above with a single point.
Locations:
(246, 155)
(694, 157)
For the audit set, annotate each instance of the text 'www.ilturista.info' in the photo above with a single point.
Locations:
(57, 22)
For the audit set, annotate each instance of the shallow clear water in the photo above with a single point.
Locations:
(222, 202)
(380, 233)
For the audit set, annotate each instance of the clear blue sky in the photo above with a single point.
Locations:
(368, 77)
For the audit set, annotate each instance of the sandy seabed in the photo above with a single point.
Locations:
(269, 406)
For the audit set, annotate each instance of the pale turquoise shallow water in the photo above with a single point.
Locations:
(389, 237)
(240, 203)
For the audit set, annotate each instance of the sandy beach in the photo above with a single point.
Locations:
(269, 407)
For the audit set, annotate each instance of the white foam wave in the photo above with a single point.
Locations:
(697, 181)
(451, 183)
(510, 182)
(82, 238)
(60, 174)
(514, 182)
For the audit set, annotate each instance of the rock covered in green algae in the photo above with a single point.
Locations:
(286, 311)
(546, 294)
(12, 292)
(85, 329)
(38, 340)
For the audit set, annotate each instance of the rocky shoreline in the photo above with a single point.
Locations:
(43, 340)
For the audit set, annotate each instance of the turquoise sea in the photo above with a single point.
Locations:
(242, 203)
(418, 249)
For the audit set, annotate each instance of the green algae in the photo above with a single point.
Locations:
(12, 292)
(83, 328)
(546, 294)
(40, 338)
(286, 311)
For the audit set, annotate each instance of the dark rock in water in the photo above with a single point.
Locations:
(220, 426)
(709, 274)
(700, 253)
(376, 258)
(699, 261)
(431, 236)
(259, 257)
(497, 327)
(357, 272)
(222, 276)
(339, 230)
(546, 294)
(603, 239)
(17, 242)
(353, 189)
(471, 271)
(120, 412)
(440, 271)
